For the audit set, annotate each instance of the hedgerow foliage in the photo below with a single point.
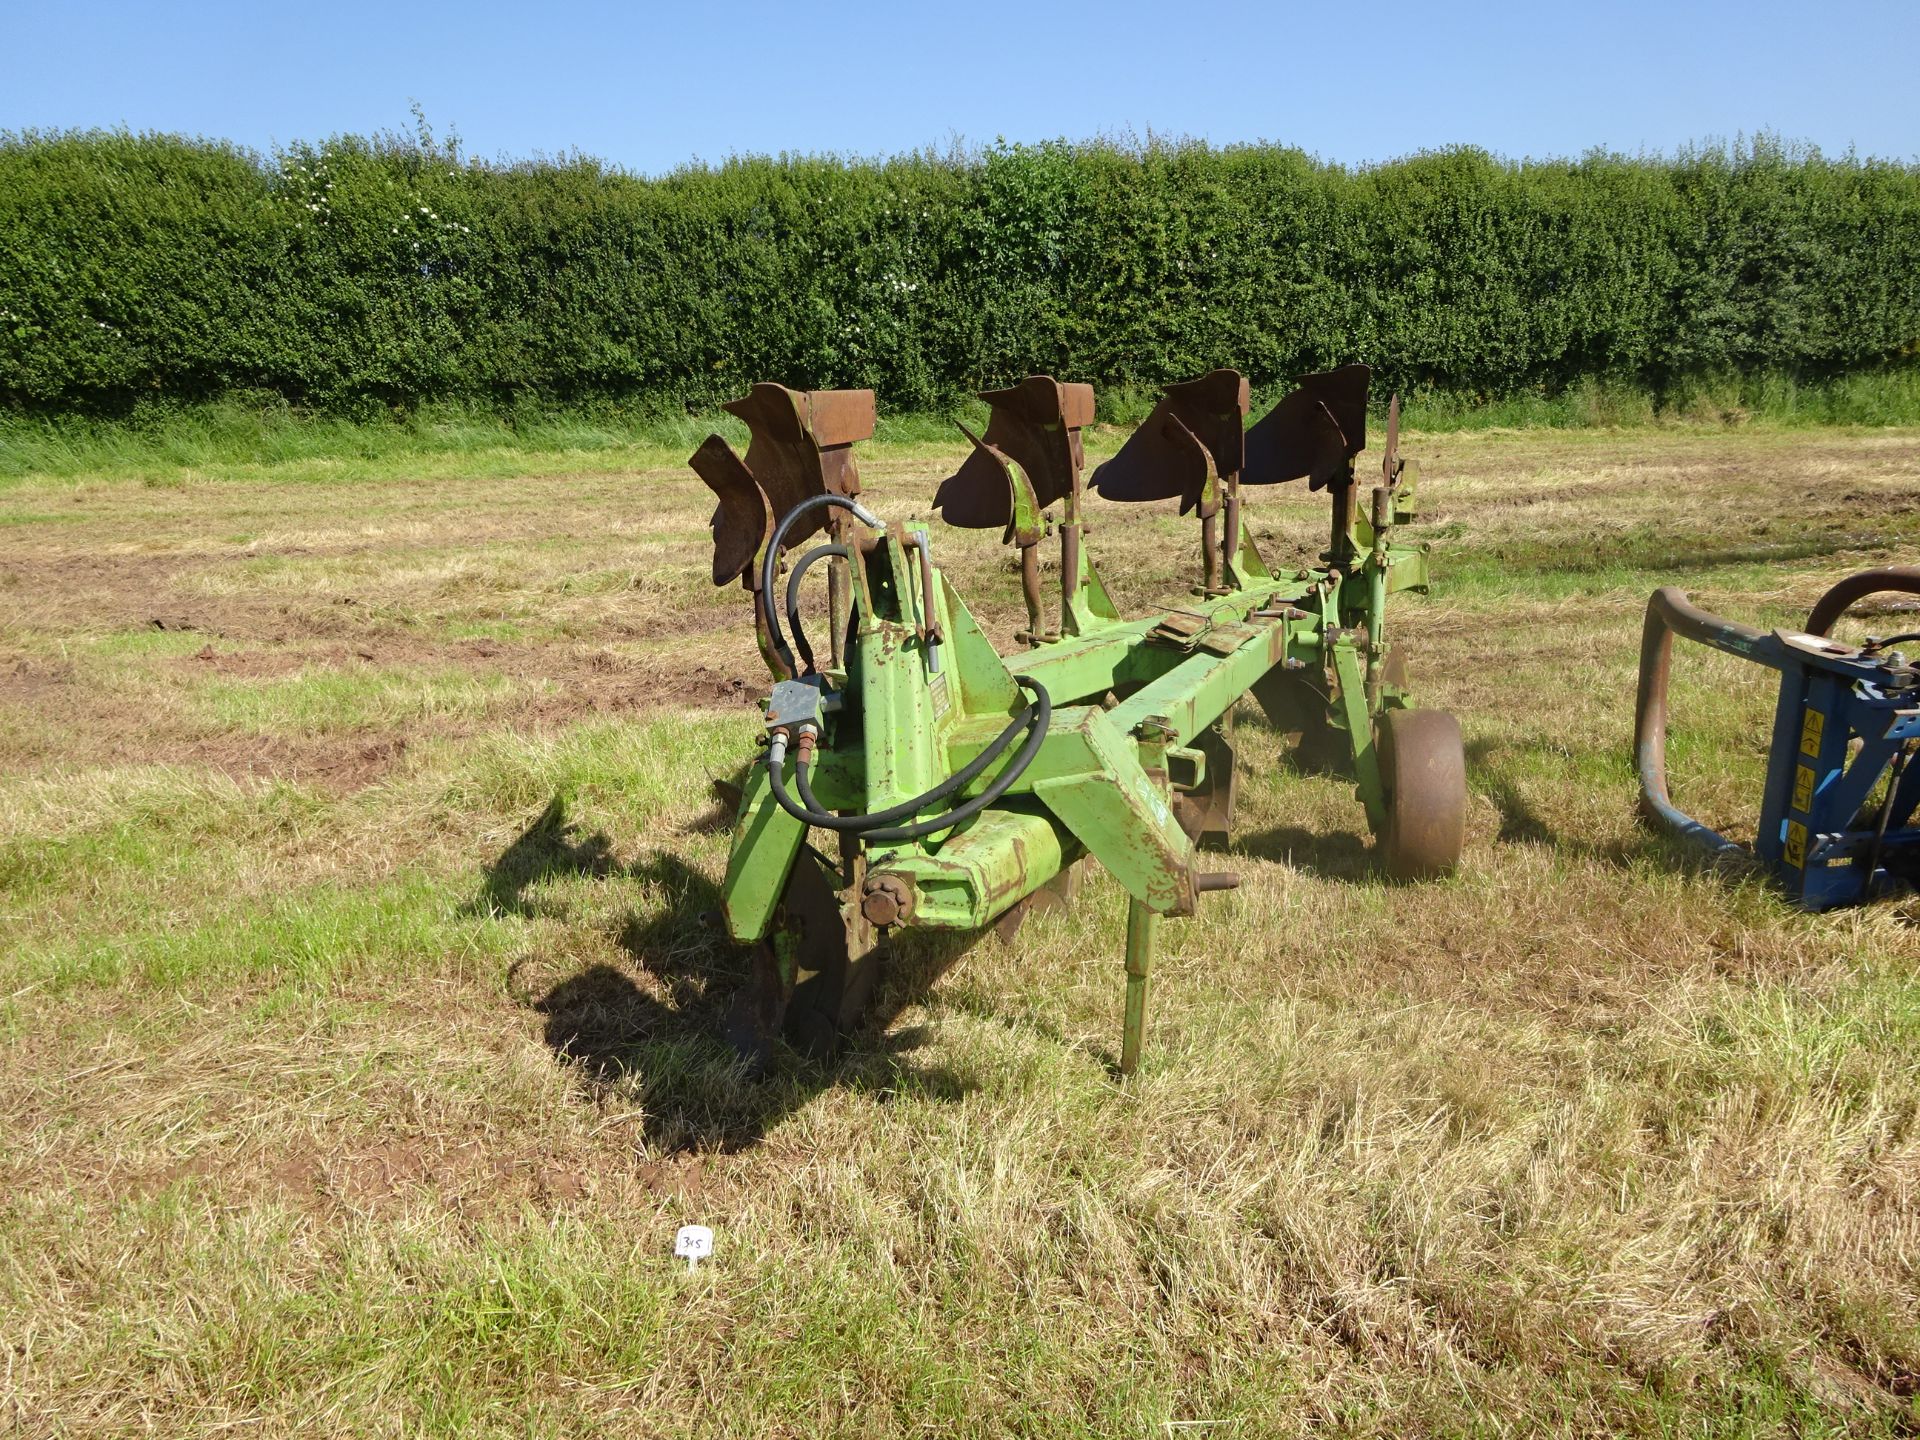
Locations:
(392, 271)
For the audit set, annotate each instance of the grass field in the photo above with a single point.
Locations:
(356, 1015)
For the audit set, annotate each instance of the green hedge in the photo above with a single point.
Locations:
(390, 272)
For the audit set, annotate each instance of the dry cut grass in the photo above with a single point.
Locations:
(357, 1053)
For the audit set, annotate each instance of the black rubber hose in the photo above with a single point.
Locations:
(800, 566)
(959, 780)
(1036, 717)
(771, 557)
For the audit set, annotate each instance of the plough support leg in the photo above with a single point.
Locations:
(1143, 929)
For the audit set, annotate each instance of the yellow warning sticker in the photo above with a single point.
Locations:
(1811, 731)
(1796, 845)
(1803, 788)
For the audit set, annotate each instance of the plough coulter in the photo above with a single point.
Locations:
(915, 777)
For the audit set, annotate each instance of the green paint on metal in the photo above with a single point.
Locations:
(1115, 810)
(1143, 929)
(980, 874)
(1352, 682)
(765, 841)
(1134, 704)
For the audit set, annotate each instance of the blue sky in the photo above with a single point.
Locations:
(651, 87)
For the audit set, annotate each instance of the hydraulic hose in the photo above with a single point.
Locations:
(874, 827)
(959, 780)
(800, 568)
(770, 557)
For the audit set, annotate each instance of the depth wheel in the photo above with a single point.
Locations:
(1423, 772)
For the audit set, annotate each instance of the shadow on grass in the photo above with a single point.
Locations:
(648, 1034)
(1335, 855)
(1522, 823)
(1350, 855)
(545, 849)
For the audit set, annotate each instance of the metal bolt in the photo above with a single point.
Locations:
(887, 900)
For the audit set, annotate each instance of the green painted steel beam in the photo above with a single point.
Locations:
(987, 869)
(1094, 782)
(1189, 698)
(765, 841)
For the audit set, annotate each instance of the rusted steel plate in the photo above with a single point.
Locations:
(741, 522)
(1314, 432)
(1390, 459)
(839, 417)
(1159, 461)
(1196, 432)
(801, 445)
(1035, 425)
(979, 495)
(1214, 407)
(1344, 393)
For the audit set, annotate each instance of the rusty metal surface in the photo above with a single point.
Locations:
(1037, 424)
(1206, 813)
(1214, 407)
(1161, 460)
(1424, 779)
(1390, 456)
(741, 522)
(1196, 432)
(1314, 432)
(1182, 629)
(802, 445)
(1030, 456)
(979, 495)
(1897, 579)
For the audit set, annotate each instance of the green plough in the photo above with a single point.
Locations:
(945, 786)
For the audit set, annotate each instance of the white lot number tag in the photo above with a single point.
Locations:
(695, 1242)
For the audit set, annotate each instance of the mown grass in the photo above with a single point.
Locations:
(357, 1015)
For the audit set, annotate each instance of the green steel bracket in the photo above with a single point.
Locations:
(1350, 674)
(1090, 776)
(1249, 568)
(765, 842)
(985, 685)
(1406, 494)
(1091, 608)
(977, 876)
(1407, 569)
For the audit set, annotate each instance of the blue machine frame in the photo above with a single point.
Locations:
(1847, 719)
